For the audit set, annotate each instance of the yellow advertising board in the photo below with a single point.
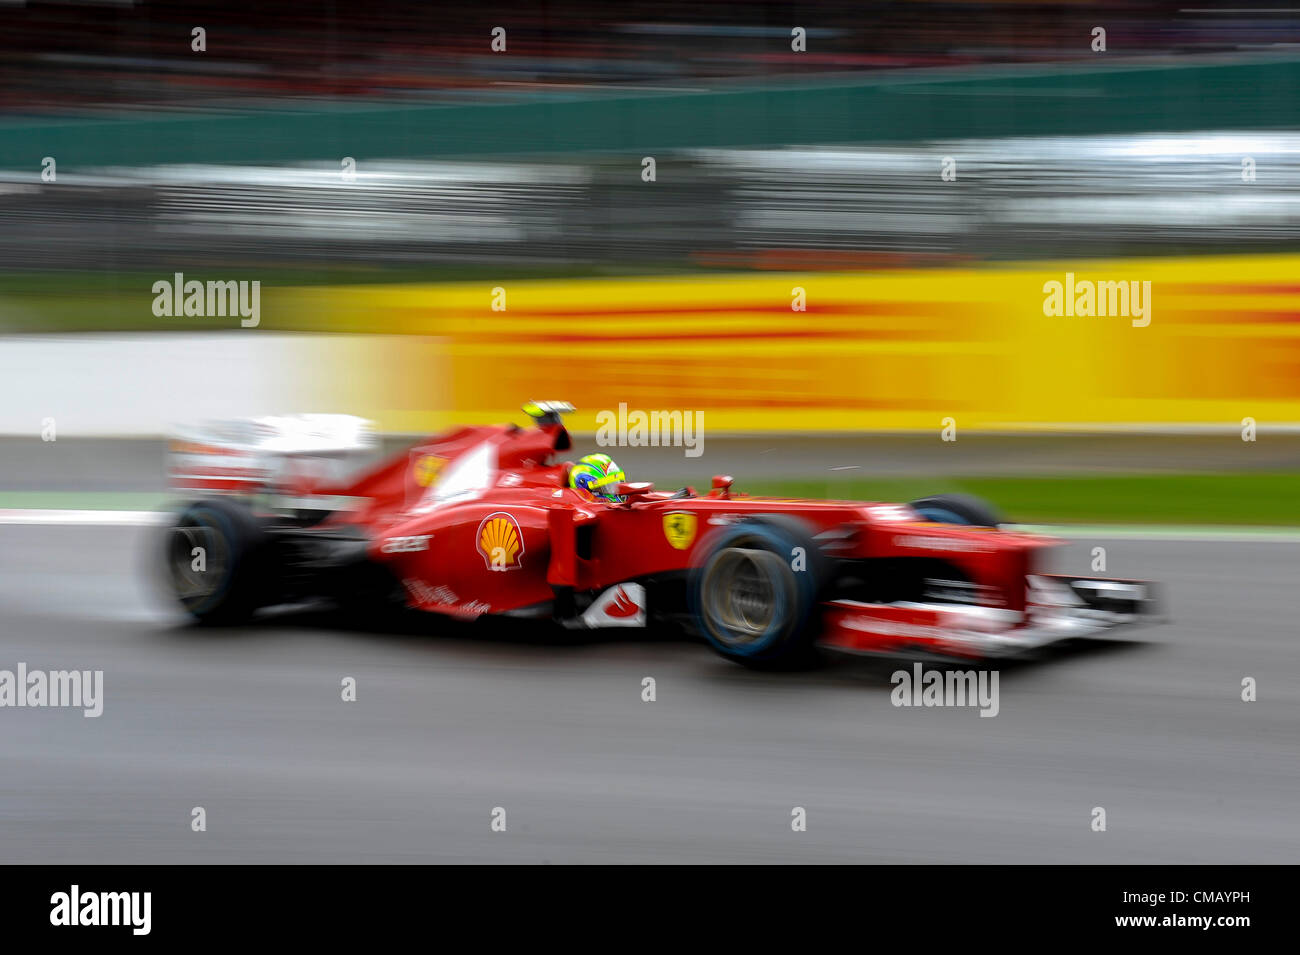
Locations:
(1195, 342)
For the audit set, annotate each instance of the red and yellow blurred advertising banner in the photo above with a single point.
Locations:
(872, 351)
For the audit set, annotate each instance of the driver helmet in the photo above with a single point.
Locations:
(597, 474)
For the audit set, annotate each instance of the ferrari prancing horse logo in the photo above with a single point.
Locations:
(679, 529)
(427, 469)
(500, 542)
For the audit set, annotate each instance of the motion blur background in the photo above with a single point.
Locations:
(1171, 157)
(380, 169)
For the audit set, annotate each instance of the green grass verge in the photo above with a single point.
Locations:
(83, 500)
(1266, 499)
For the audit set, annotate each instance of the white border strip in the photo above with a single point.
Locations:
(81, 518)
(1156, 532)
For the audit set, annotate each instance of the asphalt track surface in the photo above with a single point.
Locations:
(452, 722)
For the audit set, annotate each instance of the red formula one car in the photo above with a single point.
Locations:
(482, 521)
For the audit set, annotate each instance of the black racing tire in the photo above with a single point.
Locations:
(755, 591)
(957, 509)
(233, 579)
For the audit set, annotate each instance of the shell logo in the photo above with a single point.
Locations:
(501, 542)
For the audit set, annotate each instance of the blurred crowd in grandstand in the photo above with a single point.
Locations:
(769, 159)
(70, 55)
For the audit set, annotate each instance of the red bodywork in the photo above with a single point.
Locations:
(518, 534)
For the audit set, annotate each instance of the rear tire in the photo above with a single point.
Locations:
(229, 578)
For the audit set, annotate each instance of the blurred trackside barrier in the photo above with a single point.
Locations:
(143, 385)
(880, 351)
(1106, 96)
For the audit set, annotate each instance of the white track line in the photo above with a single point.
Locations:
(1281, 535)
(25, 515)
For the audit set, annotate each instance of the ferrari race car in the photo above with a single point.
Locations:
(481, 521)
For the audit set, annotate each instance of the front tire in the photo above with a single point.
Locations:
(754, 594)
(965, 509)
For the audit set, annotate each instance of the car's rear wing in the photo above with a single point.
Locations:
(284, 455)
(547, 413)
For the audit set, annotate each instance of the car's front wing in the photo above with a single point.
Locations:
(1057, 608)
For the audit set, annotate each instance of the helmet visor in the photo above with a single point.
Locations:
(604, 486)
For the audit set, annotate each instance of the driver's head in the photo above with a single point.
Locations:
(598, 475)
